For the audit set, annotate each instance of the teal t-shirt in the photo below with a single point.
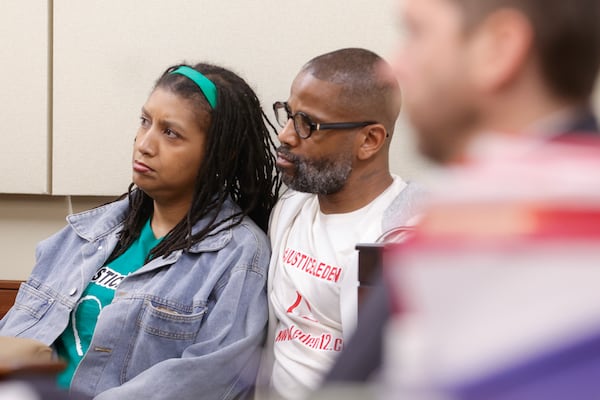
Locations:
(75, 340)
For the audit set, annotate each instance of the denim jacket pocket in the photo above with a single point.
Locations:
(162, 331)
(30, 306)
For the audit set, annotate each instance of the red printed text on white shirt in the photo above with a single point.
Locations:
(311, 265)
(324, 341)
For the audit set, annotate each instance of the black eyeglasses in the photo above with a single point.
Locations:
(305, 126)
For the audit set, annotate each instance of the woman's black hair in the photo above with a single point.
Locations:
(238, 163)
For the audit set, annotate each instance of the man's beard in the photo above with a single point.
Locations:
(320, 176)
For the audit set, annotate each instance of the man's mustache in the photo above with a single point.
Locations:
(284, 151)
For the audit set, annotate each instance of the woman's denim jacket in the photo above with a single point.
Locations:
(185, 326)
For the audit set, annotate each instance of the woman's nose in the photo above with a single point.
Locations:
(145, 142)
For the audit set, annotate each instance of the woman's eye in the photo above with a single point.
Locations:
(171, 133)
(145, 122)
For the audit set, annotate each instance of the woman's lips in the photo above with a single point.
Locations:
(140, 167)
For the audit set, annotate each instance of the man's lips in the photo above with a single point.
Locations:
(139, 166)
(284, 160)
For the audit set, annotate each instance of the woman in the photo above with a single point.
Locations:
(162, 294)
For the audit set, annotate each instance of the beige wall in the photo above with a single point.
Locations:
(103, 63)
(24, 78)
(108, 53)
(91, 65)
(27, 219)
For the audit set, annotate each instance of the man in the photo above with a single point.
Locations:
(477, 74)
(512, 67)
(334, 157)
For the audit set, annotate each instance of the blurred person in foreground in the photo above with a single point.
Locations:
(499, 93)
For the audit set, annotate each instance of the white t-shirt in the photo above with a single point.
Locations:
(316, 264)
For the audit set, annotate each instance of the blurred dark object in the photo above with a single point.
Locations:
(369, 268)
(370, 261)
(363, 353)
(360, 363)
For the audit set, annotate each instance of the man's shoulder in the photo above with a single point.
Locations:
(289, 194)
(287, 208)
(291, 199)
(407, 206)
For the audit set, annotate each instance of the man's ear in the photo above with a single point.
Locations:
(500, 49)
(371, 139)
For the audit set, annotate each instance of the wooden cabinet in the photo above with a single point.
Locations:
(8, 292)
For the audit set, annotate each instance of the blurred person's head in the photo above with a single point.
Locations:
(337, 123)
(493, 65)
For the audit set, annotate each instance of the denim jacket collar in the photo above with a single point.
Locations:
(105, 220)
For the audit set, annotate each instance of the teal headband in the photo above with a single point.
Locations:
(207, 87)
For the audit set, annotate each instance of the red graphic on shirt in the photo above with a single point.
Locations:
(297, 308)
(324, 341)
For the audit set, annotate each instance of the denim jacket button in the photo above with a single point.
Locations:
(72, 291)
